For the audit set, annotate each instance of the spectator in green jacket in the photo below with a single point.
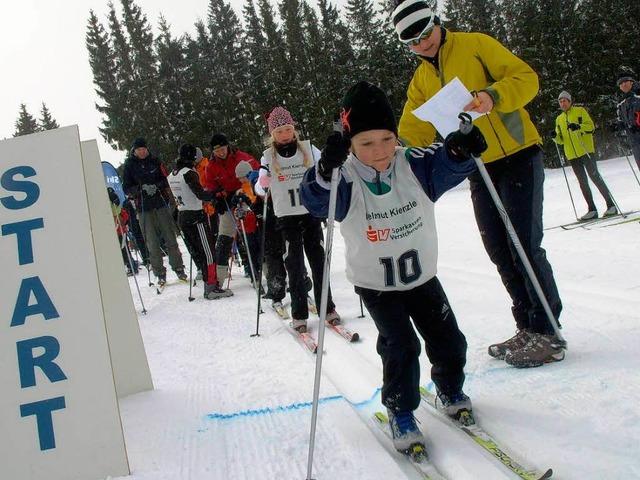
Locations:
(574, 130)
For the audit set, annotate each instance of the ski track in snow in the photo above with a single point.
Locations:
(230, 406)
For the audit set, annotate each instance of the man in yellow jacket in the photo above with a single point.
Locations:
(574, 130)
(505, 84)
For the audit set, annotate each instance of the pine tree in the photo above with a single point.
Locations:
(47, 122)
(25, 124)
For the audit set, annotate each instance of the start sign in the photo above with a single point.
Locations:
(58, 409)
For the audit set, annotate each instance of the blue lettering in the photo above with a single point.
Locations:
(30, 189)
(27, 362)
(22, 231)
(43, 306)
(42, 410)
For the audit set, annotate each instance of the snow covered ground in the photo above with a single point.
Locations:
(228, 406)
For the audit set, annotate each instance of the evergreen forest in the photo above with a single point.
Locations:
(228, 74)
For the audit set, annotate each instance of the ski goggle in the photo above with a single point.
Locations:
(424, 34)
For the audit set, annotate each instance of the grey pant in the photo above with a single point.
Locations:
(586, 166)
(157, 225)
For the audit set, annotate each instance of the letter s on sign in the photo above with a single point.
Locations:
(30, 189)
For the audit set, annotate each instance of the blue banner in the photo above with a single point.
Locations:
(112, 179)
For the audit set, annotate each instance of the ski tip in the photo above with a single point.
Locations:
(547, 474)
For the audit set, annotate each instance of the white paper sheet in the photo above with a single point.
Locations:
(443, 108)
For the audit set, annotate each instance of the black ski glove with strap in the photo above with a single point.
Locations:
(333, 155)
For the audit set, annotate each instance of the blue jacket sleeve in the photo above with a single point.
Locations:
(315, 197)
(436, 170)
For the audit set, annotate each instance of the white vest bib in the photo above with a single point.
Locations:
(185, 197)
(391, 240)
(285, 182)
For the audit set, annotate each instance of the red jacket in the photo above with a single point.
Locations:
(222, 172)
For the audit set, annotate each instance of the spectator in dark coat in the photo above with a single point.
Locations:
(145, 180)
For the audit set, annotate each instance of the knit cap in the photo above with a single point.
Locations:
(243, 168)
(564, 94)
(278, 117)
(366, 107)
(411, 17)
(187, 152)
(218, 140)
(139, 143)
(625, 78)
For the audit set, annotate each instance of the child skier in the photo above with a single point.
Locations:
(284, 164)
(189, 194)
(385, 203)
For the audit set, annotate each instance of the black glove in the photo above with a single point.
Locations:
(573, 126)
(113, 196)
(240, 198)
(219, 200)
(334, 153)
(463, 146)
(553, 134)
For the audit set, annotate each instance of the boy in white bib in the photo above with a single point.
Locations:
(385, 204)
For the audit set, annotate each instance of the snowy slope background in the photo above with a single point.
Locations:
(228, 406)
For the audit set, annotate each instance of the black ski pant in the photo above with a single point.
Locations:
(302, 236)
(634, 143)
(199, 240)
(519, 179)
(274, 261)
(399, 346)
(586, 166)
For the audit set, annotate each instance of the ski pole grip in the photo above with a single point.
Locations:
(465, 123)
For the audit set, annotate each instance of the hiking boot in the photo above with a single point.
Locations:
(214, 292)
(519, 340)
(610, 211)
(540, 349)
(299, 325)
(333, 318)
(590, 215)
(162, 279)
(404, 431)
(456, 405)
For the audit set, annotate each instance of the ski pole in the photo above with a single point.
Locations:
(261, 261)
(465, 128)
(324, 297)
(135, 278)
(144, 233)
(191, 299)
(361, 309)
(620, 149)
(575, 212)
(246, 245)
(610, 194)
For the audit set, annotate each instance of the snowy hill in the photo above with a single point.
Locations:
(228, 406)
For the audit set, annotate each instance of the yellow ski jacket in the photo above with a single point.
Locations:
(481, 63)
(577, 143)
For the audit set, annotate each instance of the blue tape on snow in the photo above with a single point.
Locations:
(285, 408)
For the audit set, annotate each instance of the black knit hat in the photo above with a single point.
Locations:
(187, 152)
(366, 107)
(139, 143)
(218, 140)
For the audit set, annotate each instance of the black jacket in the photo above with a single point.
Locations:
(146, 182)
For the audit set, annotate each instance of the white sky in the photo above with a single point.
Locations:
(44, 59)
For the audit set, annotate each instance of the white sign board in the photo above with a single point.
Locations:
(58, 409)
(128, 358)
